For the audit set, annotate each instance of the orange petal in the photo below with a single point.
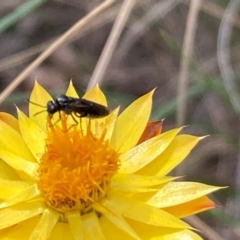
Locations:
(152, 129)
(189, 208)
(10, 120)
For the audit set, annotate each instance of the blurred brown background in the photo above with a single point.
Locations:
(148, 55)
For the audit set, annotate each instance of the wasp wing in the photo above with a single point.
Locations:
(86, 108)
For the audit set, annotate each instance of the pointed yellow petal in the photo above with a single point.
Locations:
(110, 122)
(144, 153)
(174, 193)
(32, 134)
(147, 232)
(39, 96)
(9, 188)
(176, 152)
(180, 148)
(119, 221)
(75, 223)
(189, 208)
(100, 125)
(111, 231)
(19, 213)
(45, 226)
(101, 209)
(10, 120)
(133, 189)
(26, 194)
(61, 231)
(71, 92)
(139, 180)
(23, 229)
(96, 95)
(131, 123)
(141, 212)
(184, 234)
(27, 168)
(7, 172)
(10, 138)
(91, 227)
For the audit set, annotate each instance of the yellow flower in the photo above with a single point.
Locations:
(59, 180)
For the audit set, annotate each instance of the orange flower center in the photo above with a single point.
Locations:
(76, 168)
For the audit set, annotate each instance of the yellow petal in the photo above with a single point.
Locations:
(119, 221)
(96, 95)
(144, 153)
(174, 193)
(61, 231)
(71, 92)
(10, 138)
(175, 153)
(44, 227)
(189, 208)
(131, 123)
(111, 231)
(91, 227)
(137, 183)
(147, 232)
(26, 194)
(26, 170)
(23, 229)
(183, 235)
(75, 223)
(139, 180)
(100, 125)
(101, 209)
(19, 213)
(133, 189)
(32, 134)
(110, 122)
(10, 120)
(9, 188)
(141, 212)
(39, 96)
(7, 172)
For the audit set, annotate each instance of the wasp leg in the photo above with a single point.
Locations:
(80, 116)
(74, 119)
(49, 123)
(76, 123)
(58, 118)
(90, 127)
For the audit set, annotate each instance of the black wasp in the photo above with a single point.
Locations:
(78, 107)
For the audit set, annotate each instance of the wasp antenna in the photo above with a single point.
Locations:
(39, 112)
(35, 103)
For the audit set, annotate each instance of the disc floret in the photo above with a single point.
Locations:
(76, 168)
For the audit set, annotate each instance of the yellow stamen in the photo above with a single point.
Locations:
(76, 168)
